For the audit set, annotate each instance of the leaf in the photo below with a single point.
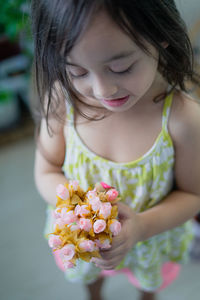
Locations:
(114, 212)
(96, 254)
(86, 256)
(61, 202)
(75, 199)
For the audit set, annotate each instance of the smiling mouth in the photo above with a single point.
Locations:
(116, 102)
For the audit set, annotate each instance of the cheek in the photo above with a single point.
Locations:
(143, 77)
(81, 86)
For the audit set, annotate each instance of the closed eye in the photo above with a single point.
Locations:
(84, 74)
(128, 70)
(77, 76)
(76, 71)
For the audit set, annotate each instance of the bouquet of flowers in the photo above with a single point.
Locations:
(84, 222)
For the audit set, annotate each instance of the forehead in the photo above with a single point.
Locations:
(101, 40)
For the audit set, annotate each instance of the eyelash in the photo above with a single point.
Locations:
(127, 71)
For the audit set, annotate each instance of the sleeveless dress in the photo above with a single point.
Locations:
(142, 184)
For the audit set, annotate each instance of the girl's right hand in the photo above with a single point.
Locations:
(124, 241)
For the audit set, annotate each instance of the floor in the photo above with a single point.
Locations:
(27, 269)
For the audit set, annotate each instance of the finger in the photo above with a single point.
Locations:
(108, 264)
(103, 263)
(109, 268)
(97, 261)
(111, 264)
(121, 238)
(123, 210)
(106, 255)
(116, 244)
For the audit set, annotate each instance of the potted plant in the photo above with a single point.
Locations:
(15, 57)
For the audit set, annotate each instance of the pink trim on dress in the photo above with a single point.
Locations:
(169, 272)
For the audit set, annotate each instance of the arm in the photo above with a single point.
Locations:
(49, 158)
(183, 203)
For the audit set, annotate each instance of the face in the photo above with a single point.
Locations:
(108, 69)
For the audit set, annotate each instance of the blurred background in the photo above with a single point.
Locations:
(27, 270)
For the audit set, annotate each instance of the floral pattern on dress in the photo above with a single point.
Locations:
(142, 184)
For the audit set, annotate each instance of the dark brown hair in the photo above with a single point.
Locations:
(57, 24)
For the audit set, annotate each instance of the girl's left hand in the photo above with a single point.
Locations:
(123, 242)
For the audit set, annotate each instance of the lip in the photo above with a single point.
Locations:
(116, 102)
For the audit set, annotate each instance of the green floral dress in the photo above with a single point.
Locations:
(142, 184)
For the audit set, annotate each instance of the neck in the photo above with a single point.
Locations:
(159, 87)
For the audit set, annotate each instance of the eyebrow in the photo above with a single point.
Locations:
(118, 56)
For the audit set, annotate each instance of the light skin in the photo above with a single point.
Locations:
(140, 118)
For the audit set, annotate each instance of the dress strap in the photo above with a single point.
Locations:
(70, 113)
(166, 110)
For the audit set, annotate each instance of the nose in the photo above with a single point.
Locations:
(104, 88)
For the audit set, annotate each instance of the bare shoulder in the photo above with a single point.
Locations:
(184, 127)
(184, 123)
(52, 136)
(57, 109)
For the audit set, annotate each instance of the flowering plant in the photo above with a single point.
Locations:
(84, 222)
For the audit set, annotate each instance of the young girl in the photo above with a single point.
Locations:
(110, 77)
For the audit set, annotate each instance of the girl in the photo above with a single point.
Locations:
(110, 77)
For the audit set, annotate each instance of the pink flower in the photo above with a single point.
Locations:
(105, 210)
(85, 211)
(95, 203)
(62, 192)
(77, 210)
(67, 252)
(105, 185)
(88, 246)
(73, 185)
(54, 241)
(63, 212)
(74, 226)
(105, 245)
(67, 264)
(91, 195)
(115, 227)
(99, 226)
(60, 222)
(82, 210)
(85, 224)
(56, 213)
(112, 194)
(68, 217)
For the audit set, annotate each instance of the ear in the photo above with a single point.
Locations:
(164, 44)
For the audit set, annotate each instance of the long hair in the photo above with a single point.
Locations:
(57, 25)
